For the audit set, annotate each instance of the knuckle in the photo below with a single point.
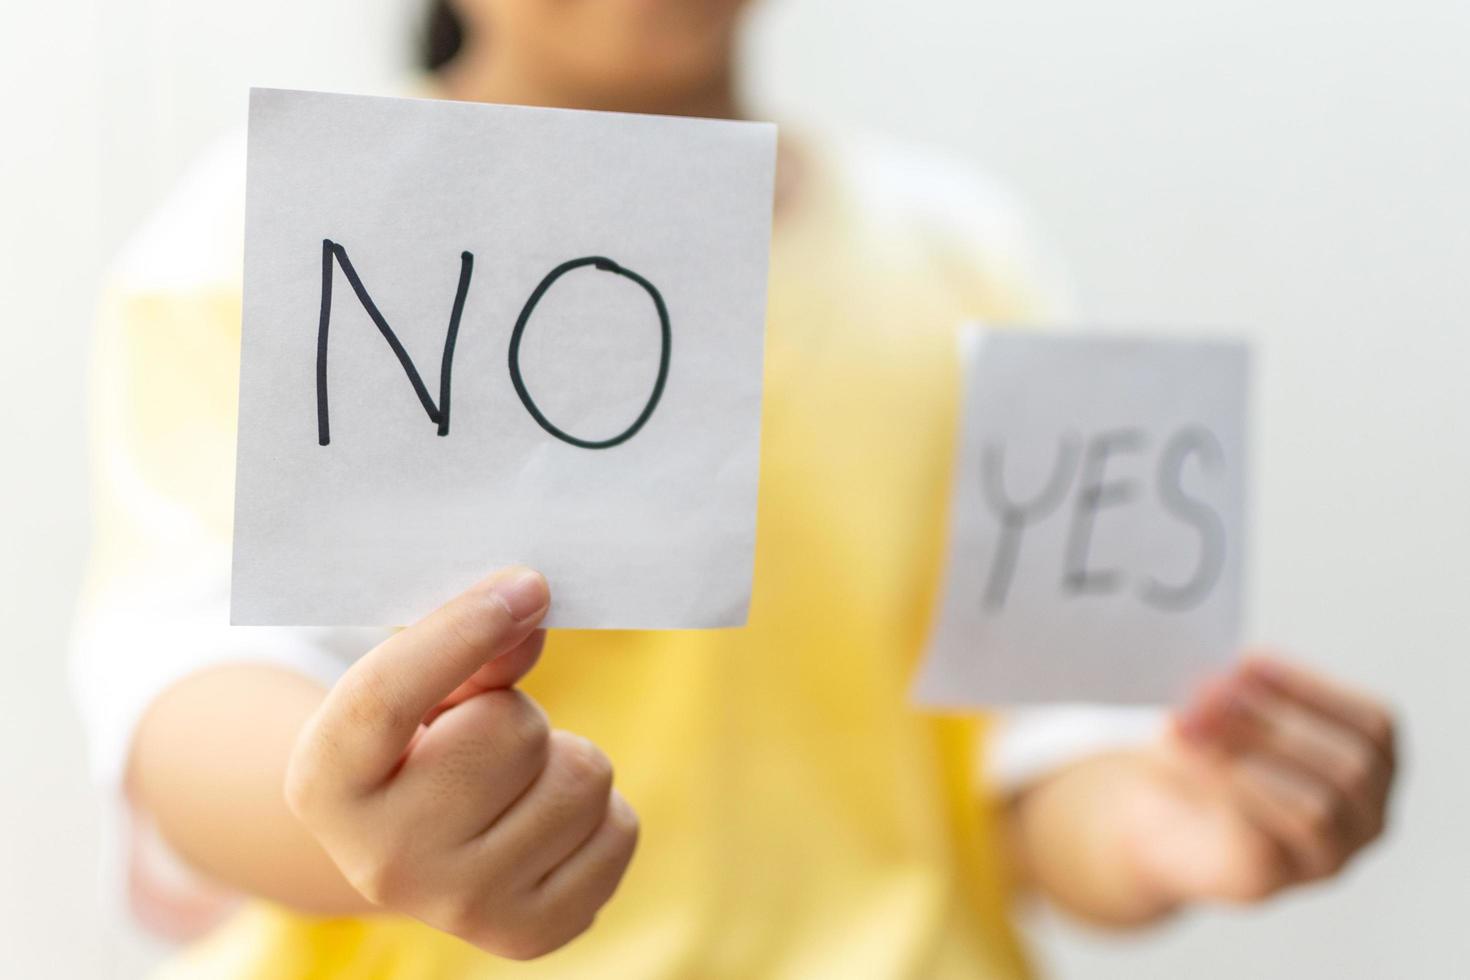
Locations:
(1357, 769)
(578, 782)
(624, 825)
(463, 915)
(310, 778)
(521, 724)
(587, 767)
(533, 731)
(510, 948)
(390, 870)
(475, 621)
(384, 881)
(1318, 815)
(1380, 727)
(301, 787)
(370, 702)
(531, 943)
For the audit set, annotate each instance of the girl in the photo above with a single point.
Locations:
(346, 803)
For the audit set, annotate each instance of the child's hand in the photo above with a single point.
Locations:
(1278, 776)
(442, 793)
(1273, 776)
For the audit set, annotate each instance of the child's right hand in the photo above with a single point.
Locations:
(441, 792)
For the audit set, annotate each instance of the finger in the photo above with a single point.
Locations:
(1352, 708)
(1205, 717)
(590, 875)
(470, 765)
(502, 672)
(369, 717)
(559, 812)
(1318, 747)
(1302, 814)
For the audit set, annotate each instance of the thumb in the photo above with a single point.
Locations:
(504, 671)
(376, 707)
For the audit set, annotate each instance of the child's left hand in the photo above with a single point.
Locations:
(1279, 776)
(1271, 776)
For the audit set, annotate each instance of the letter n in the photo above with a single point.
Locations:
(438, 413)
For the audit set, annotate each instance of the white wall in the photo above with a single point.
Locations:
(1295, 169)
(48, 257)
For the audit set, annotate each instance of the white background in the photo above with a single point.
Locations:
(1298, 169)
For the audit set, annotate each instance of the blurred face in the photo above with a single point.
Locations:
(632, 50)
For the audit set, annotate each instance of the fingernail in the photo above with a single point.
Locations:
(523, 592)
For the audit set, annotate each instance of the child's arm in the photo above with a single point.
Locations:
(422, 783)
(208, 763)
(1273, 777)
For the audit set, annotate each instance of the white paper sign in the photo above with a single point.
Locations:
(1096, 525)
(477, 335)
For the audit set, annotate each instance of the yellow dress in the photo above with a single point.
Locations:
(800, 819)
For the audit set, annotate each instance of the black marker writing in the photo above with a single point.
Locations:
(514, 355)
(1186, 443)
(438, 414)
(1095, 493)
(1014, 515)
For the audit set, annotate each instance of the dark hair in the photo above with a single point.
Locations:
(443, 35)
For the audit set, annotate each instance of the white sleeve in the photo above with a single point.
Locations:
(1028, 743)
(129, 646)
(133, 643)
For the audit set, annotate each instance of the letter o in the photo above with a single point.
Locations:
(514, 356)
